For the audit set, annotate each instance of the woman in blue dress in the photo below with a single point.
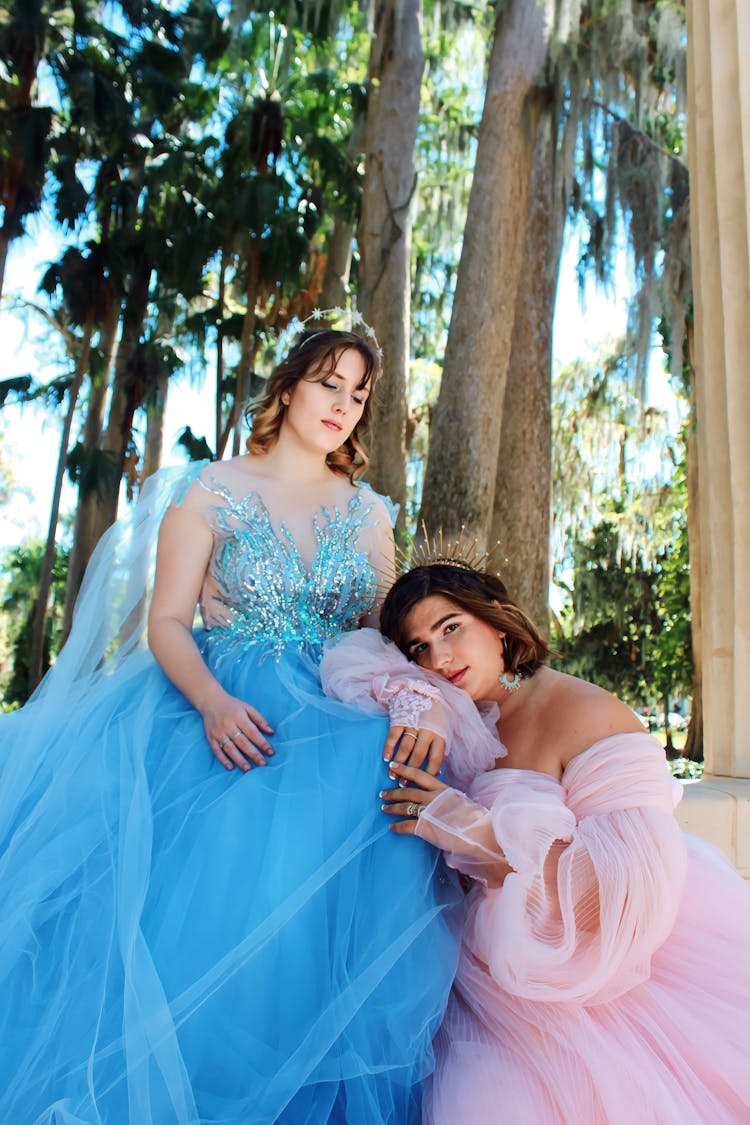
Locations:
(203, 917)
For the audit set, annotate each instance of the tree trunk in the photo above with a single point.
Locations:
(123, 405)
(36, 659)
(521, 511)
(247, 349)
(395, 77)
(156, 405)
(335, 288)
(465, 440)
(3, 258)
(220, 306)
(86, 514)
(694, 740)
(668, 744)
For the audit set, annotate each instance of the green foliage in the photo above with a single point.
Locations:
(686, 770)
(620, 535)
(196, 448)
(627, 624)
(673, 654)
(21, 567)
(91, 470)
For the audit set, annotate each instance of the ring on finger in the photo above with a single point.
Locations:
(410, 734)
(413, 809)
(237, 733)
(223, 741)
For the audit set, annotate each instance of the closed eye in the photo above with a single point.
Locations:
(359, 399)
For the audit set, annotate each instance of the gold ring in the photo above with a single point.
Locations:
(409, 734)
(412, 809)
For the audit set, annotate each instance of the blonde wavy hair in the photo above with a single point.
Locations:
(314, 357)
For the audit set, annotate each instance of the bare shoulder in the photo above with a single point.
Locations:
(215, 479)
(583, 714)
(184, 525)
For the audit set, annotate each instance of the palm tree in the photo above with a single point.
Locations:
(79, 278)
(31, 29)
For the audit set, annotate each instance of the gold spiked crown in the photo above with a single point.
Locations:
(461, 551)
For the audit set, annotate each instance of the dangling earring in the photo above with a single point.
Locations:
(511, 681)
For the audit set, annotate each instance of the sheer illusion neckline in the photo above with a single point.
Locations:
(322, 519)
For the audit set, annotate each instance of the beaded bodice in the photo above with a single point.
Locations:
(258, 586)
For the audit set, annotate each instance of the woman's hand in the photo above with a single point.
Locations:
(412, 746)
(236, 732)
(421, 788)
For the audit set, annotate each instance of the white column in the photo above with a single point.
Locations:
(719, 155)
(718, 808)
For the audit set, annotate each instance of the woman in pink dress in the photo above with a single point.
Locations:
(604, 975)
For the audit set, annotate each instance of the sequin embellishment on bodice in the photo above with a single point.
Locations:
(258, 587)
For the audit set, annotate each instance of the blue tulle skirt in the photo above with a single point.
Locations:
(184, 944)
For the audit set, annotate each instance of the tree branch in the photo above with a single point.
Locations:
(72, 342)
(649, 140)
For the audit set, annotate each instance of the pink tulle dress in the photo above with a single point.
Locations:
(607, 980)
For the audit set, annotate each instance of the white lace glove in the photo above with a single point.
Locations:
(419, 720)
(407, 699)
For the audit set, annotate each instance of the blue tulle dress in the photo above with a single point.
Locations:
(183, 944)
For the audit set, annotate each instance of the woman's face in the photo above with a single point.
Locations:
(324, 414)
(453, 642)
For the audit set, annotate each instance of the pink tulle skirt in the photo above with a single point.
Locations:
(673, 1049)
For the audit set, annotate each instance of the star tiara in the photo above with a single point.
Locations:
(437, 550)
(339, 318)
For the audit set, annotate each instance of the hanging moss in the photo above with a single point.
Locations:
(618, 71)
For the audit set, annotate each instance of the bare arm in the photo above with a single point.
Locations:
(380, 549)
(233, 728)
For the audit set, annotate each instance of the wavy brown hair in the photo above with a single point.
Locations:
(314, 357)
(475, 591)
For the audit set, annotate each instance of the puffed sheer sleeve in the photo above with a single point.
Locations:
(365, 669)
(592, 870)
